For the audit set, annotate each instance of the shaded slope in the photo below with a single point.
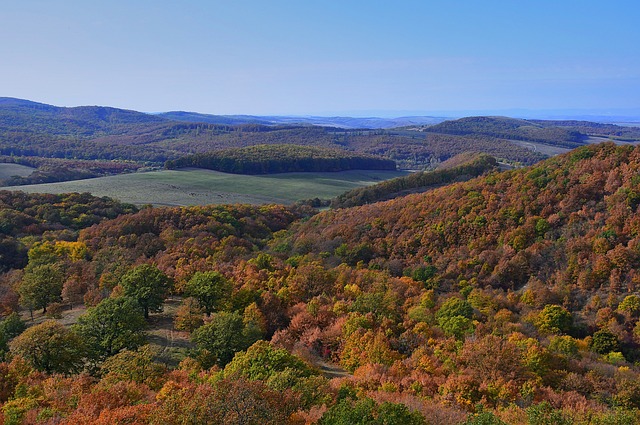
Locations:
(461, 169)
(83, 121)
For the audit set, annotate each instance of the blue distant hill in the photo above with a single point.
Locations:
(339, 122)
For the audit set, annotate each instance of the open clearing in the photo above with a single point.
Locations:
(9, 170)
(201, 187)
(541, 147)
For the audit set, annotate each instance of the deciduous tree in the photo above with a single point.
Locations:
(40, 286)
(50, 347)
(211, 289)
(111, 326)
(222, 337)
(148, 286)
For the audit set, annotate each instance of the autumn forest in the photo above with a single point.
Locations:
(499, 288)
(508, 298)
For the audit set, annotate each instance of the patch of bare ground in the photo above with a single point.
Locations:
(327, 368)
(172, 345)
(67, 315)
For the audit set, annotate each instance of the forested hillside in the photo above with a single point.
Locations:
(269, 159)
(509, 298)
(511, 128)
(31, 216)
(48, 170)
(568, 134)
(29, 129)
(462, 167)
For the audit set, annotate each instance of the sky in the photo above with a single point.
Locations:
(311, 57)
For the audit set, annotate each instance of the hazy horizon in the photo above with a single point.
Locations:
(550, 114)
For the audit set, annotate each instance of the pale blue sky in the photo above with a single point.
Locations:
(323, 57)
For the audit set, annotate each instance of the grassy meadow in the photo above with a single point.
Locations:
(9, 170)
(202, 187)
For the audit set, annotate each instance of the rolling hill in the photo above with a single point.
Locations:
(567, 134)
(512, 297)
(93, 141)
(101, 133)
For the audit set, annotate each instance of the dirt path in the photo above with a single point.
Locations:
(331, 370)
(328, 369)
(172, 344)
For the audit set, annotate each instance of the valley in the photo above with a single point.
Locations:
(202, 187)
(496, 283)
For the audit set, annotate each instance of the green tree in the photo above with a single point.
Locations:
(454, 317)
(604, 342)
(262, 360)
(457, 326)
(564, 345)
(219, 340)
(148, 286)
(483, 418)
(50, 347)
(455, 307)
(111, 326)
(631, 305)
(211, 289)
(10, 327)
(367, 412)
(40, 286)
(554, 319)
(137, 366)
(544, 414)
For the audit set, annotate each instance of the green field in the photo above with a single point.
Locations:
(201, 187)
(9, 170)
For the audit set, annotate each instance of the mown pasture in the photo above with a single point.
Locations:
(201, 187)
(9, 170)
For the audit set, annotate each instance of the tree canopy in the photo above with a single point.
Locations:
(111, 326)
(221, 338)
(148, 286)
(40, 286)
(50, 347)
(211, 289)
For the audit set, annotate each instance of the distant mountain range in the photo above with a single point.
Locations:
(340, 122)
(109, 116)
(32, 129)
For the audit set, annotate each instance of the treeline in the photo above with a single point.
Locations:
(268, 159)
(420, 150)
(415, 182)
(510, 128)
(50, 170)
(616, 132)
(106, 149)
